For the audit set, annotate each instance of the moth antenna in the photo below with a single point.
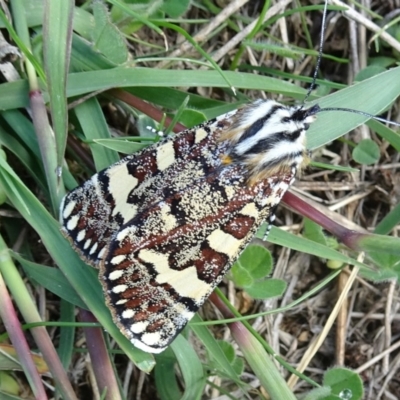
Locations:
(360, 113)
(313, 82)
(321, 44)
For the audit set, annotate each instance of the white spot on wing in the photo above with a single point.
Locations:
(151, 339)
(224, 243)
(118, 259)
(112, 276)
(250, 209)
(165, 156)
(87, 244)
(119, 288)
(270, 200)
(73, 223)
(200, 135)
(121, 183)
(229, 191)
(148, 349)
(101, 253)
(93, 249)
(81, 235)
(68, 209)
(168, 219)
(185, 282)
(184, 313)
(126, 233)
(129, 313)
(139, 327)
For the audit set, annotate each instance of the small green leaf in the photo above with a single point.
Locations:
(175, 8)
(8, 384)
(345, 384)
(266, 288)
(313, 232)
(254, 263)
(250, 271)
(192, 117)
(389, 267)
(366, 152)
(228, 350)
(108, 40)
(237, 363)
(257, 260)
(241, 276)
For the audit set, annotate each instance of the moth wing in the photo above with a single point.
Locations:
(162, 265)
(94, 211)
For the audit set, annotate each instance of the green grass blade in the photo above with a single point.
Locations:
(67, 334)
(94, 126)
(213, 348)
(191, 368)
(286, 239)
(57, 32)
(165, 377)
(52, 279)
(372, 96)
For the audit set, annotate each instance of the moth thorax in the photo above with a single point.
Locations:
(272, 139)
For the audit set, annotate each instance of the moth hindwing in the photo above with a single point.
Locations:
(164, 225)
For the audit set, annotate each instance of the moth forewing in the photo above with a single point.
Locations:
(163, 265)
(92, 213)
(167, 223)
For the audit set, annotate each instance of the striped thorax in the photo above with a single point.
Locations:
(268, 138)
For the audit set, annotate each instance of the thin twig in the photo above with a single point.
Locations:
(277, 8)
(201, 36)
(316, 344)
(356, 16)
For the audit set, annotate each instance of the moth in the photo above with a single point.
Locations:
(165, 225)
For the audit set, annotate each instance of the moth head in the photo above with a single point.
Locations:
(269, 138)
